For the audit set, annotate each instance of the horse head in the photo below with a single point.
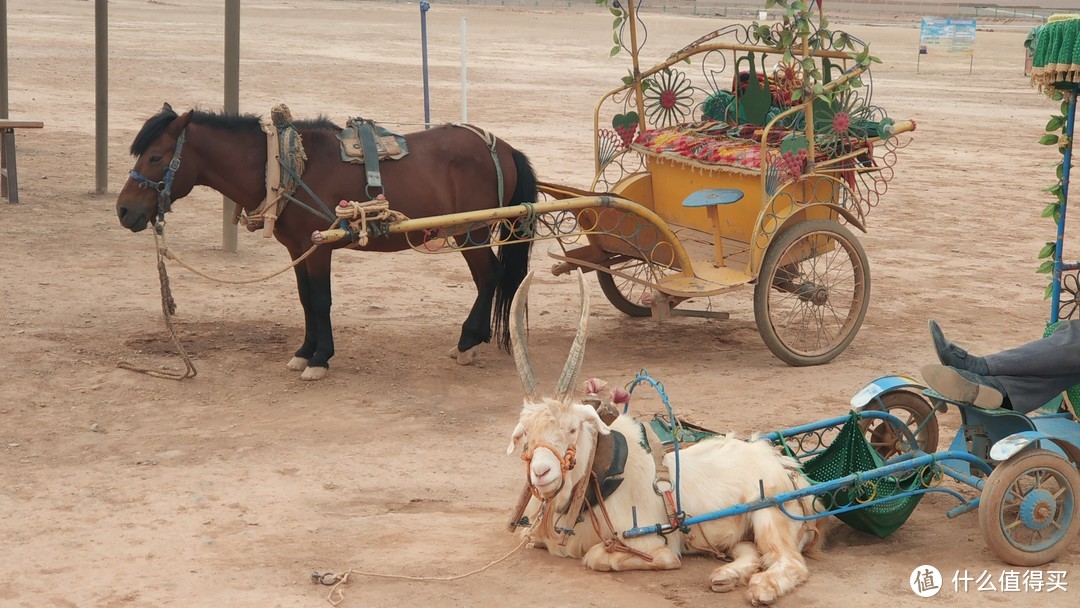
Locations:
(157, 178)
(553, 433)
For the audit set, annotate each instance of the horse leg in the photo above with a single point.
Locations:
(476, 329)
(313, 284)
(300, 359)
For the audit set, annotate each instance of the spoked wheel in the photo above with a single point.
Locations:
(812, 292)
(1029, 512)
(912, 410)
(630, 297)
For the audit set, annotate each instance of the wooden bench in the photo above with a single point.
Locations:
(9, 179)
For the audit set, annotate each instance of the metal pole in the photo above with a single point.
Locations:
(232, 106)
(3, 60)
(424, 7)
(1070, 125)
(464, 72)
(101, 98)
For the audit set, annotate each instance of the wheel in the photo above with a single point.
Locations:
(1029, 511)
(812, 292)
(630, 297)
(912, 410)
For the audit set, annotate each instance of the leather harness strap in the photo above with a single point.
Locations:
(365, 130)
(662, 485)
(491, 142)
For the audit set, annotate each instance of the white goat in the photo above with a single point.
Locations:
(556, 435)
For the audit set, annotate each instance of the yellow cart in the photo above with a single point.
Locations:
(760, 143)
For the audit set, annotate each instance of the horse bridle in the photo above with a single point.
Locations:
(164, 185)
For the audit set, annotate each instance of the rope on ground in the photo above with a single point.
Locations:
(168, 305)
(168, 309)
(337, 595)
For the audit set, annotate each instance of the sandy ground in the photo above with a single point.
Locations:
(118, 489)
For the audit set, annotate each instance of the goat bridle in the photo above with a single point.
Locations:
(566, 463)
(163, 187)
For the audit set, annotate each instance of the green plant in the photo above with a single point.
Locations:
(788, 39)
(1054, 136)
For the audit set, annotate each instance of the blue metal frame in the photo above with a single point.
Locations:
(643, 376)
(982, 429)
(899, 468)
(1059, 266)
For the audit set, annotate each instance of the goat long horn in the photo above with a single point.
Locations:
(565, 388)
(518, 342)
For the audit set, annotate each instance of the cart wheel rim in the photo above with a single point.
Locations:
(819, 287)
(1037, 510)
(822, 310)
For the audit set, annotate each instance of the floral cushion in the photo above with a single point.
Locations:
(713, 142)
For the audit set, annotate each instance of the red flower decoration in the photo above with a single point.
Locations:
(840, 123)
(668, 99)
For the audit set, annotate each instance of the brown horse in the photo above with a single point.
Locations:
(448, 169)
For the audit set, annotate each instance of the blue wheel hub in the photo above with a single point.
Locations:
(1038, 509)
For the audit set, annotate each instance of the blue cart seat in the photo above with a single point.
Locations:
(713, 196)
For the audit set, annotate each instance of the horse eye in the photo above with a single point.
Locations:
(155, 158)
(573, 431)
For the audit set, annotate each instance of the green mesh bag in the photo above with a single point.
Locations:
(850, 453)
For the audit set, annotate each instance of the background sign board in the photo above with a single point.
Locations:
(940, 35)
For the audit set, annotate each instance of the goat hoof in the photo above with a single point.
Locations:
(297, 364)
(467, 357)
(314, 373)
(761, 592)
(723, 581)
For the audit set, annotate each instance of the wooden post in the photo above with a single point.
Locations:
(232, 105)
(101, 95)
(3, 60)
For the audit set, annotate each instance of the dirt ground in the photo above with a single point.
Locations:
(118, 489)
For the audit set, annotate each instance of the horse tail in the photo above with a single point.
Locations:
(514, 258)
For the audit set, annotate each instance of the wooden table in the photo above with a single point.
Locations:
(9, 179)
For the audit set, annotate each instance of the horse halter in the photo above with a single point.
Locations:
(164, 186)
(567, 462)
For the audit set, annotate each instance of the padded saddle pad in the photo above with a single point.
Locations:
(390, 145)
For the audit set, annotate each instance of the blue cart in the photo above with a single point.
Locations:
(871, 467)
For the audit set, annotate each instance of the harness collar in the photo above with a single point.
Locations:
(608, 466)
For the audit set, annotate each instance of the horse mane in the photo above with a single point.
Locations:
(156, 125)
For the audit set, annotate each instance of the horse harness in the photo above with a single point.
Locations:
(284, 149)
(163, 187)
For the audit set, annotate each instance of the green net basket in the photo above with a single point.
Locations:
(850, 453)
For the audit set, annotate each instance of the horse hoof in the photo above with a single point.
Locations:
(465, 358)
(314, 373)
(297, 364)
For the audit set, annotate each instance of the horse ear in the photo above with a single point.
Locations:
(166, 107)
(180, 123)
